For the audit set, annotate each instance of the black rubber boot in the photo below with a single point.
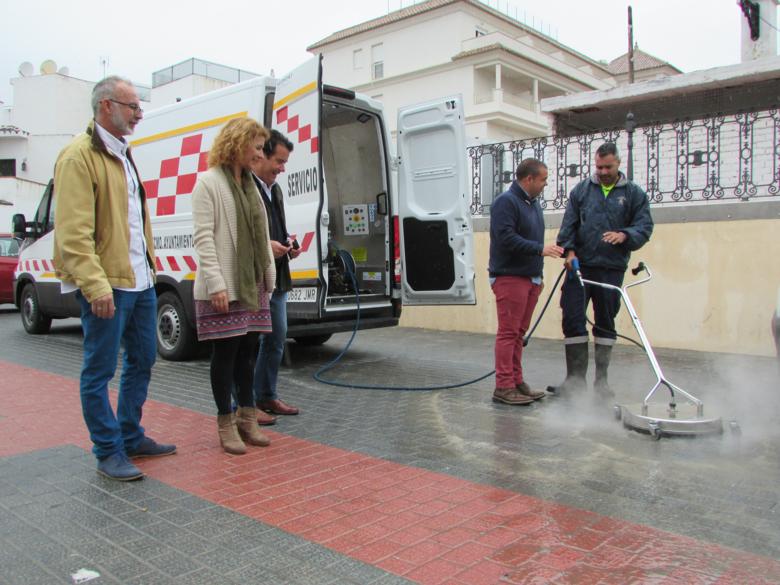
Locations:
(576, 368)
(603, 354)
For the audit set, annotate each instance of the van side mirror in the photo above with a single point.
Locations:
(19, 226)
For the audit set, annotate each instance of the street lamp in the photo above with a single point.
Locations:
(630, 126)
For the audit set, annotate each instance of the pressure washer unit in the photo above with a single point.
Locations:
(656, 418)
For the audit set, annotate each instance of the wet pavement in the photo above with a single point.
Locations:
(385, 486)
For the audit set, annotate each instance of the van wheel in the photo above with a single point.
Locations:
(311, 340)
(176, 338)
(33, 319)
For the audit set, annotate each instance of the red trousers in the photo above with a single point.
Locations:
(516, 298)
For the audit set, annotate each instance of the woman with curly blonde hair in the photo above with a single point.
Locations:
(235, 277)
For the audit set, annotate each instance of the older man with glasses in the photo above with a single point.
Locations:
(103, 250)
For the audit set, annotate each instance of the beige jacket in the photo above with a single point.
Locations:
(92, 230)
(215, 238)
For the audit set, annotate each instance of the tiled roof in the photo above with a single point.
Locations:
(642, 61)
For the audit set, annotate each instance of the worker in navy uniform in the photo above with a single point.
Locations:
(607, 217)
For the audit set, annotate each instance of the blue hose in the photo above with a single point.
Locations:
(349, 265)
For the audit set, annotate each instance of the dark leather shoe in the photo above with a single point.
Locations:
(264, 419)
(277, 406)
(151, 448)
(117, 466)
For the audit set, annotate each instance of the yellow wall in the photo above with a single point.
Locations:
(714, 288)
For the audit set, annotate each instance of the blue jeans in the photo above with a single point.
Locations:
(271, 351)
(134, 325)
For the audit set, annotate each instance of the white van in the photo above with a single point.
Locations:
(416, 248)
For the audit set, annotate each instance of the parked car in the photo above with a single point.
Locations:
(9, 254)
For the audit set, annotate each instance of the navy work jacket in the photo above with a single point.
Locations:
(516, 234)
(589, 214)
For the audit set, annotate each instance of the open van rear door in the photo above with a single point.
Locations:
(296, 114)
(437, 247)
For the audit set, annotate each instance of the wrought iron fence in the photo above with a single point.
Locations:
(735, 157)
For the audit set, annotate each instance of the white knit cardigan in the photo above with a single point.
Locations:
(215, 237)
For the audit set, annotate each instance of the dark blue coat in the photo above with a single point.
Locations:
(589, 214)
(516, 234)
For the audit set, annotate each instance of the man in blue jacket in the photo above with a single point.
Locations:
(516, 257)
(607, 218)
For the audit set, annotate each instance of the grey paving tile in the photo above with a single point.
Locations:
(124, 568)
(355, 570)
(316, 554)
(222, 561)
(258, 574)
(271, 559)
(161, 530)
(190, 544)
(206, 577)
(174, 564)
(151, 578)
(145, 548)
(208, 529)
(138, 518)
(156, 505)
(178, 516)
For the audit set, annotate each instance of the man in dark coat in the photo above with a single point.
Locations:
(277, 151)
(607, 218)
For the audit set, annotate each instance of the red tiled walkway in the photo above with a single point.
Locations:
(429, 527)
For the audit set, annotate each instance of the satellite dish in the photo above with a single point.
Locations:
(64, 70)
(26, 69)
(48, 67)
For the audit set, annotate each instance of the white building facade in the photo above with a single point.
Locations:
(49, 109)
(502, 67)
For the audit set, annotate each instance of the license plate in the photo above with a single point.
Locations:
(302, 295)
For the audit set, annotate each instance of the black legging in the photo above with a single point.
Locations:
(233, 362)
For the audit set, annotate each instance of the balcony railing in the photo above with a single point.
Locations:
(735, 157)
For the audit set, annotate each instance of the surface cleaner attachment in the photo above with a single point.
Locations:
(659, 418)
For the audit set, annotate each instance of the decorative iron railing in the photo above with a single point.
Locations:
(735, 157)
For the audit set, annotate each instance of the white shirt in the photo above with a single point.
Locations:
(143, 275)
(265, 189)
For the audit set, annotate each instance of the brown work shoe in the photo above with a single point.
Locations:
(510, 396)
(264, 419)
(277, 406)
(525, 390)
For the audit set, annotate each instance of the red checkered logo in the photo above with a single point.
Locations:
(303, 133)
(177, 177)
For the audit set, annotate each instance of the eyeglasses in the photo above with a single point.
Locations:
(135, 107)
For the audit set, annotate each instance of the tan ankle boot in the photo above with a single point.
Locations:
(247, 427)
(228, 434)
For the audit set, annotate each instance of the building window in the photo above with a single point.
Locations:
(357, 59)
(377, 61)
(8, 167)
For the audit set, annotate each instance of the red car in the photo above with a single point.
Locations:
(9, 253)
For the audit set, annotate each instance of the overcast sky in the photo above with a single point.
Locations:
(138, 37)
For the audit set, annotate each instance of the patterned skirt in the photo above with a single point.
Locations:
(237, 321)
